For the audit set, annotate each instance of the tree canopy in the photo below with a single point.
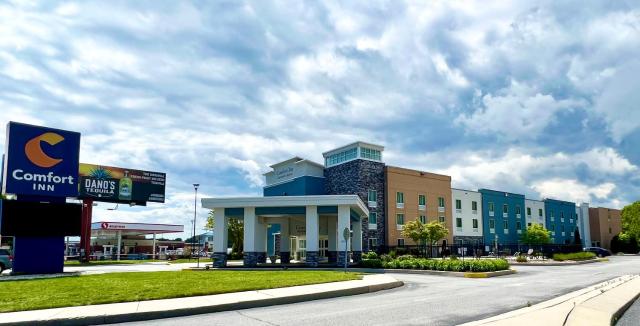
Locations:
(211, 223)
(429, 233)
(536, 234)
(631, 221)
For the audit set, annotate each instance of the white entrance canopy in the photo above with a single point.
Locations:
(341, 212)
(353, 201)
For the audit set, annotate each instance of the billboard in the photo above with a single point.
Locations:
(40, 161)
(120, 185)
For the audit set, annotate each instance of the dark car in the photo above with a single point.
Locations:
(6, 259)
(600, 252)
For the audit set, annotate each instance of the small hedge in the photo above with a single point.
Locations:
(574, 256)
(484, 265)
(521, 259)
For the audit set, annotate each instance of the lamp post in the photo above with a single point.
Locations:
(195, 210)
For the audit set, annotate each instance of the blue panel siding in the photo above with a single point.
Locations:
(498, 199)
(559, 208)
(292, 210)
(301, 186)
(234, 212)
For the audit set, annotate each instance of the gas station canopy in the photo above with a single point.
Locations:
(110, 228)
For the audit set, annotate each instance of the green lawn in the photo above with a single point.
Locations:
(123, 287)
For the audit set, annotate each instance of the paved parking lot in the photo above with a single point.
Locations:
(430, 300)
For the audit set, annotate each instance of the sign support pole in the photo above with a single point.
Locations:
(85, 229)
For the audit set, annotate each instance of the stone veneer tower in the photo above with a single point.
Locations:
(357, 169)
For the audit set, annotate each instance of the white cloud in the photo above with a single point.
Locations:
(517, 112)
(573, 190)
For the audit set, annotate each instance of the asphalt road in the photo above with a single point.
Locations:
(631, 317)
(427, 300)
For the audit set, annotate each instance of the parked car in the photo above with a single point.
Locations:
(600, 252)
(6, 260)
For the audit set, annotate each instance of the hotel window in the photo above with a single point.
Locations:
(505, 209)
(475, 223)
(400, 219)
(517, 209)
(505, 224)
(458, 222)
(562, 227)
(529, 224)
(423, 219)
(373, 196)
(492, 223)
(370, 154)
(458, 204)
(491, 209)
(518, 225)
(528, 211)
(373, 218)
(373, 242)
(551, 215)
(540, 212)
(422, 202)
(441, 202)
(441, 219)
(400, 198)
(343, 156)
(400, 242)
(609, 230)
(474, 205)
(553, 227)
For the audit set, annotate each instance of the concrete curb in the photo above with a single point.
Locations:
(452, 274)
(595, 305)
(392, 271)
(156, 309)
(572, 263)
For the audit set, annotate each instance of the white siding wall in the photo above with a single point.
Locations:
(535, 205)
(466, 213)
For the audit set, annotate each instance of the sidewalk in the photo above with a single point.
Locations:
(155, 309)
(595, 305)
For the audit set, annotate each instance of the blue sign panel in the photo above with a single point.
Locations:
(41, 161)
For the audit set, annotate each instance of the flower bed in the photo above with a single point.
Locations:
(574, 256)
(453, 265)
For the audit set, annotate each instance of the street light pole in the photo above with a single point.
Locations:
(195, 211)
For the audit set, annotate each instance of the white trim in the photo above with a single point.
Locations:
(289, 180)
(279, 201)
(355, 144)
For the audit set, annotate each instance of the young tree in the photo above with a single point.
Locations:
(236, 234)
(631, 221)
(536, 234)
(211, 223)
(435, 231)
(415, 231)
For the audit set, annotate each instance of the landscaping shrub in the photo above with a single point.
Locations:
(574, 256)
(386, 258)
(405, 257)
(371, 263)
(370, 255)
(521, 259)
(484, 265)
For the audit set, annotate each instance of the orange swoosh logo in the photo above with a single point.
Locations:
(36, 155)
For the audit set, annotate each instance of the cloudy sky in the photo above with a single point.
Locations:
(540, 98)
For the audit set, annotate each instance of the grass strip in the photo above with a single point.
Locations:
(125, 287)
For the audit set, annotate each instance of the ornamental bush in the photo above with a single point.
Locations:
(485, 265)
(370, 255)
(521, 259)
(574, 256)
(371, 263)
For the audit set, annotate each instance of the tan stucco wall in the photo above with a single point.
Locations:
(413, 183)
(600, 220)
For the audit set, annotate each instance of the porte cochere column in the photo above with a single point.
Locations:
(220, 232)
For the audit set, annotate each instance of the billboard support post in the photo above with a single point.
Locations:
(85, 237)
